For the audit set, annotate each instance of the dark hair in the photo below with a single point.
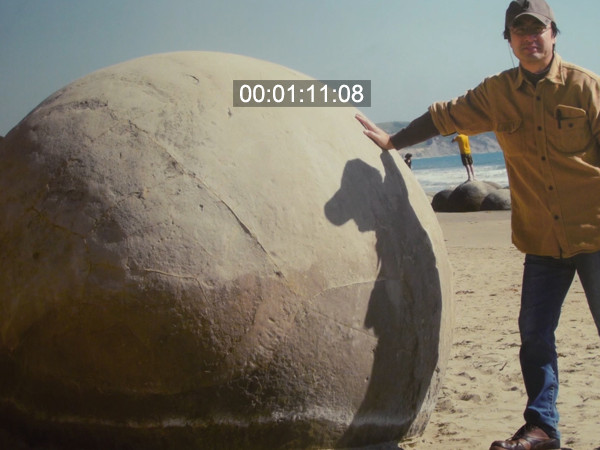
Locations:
(555, 31)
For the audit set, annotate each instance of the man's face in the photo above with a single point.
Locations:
(532, 43)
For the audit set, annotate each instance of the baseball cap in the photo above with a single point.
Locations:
(535, 8)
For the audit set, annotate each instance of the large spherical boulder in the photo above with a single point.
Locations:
(179, 273)
(439, 203)
(468, 196)
(498, 200)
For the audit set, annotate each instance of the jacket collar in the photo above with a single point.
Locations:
(555, 74)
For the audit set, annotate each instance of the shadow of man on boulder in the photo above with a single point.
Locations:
(404, 307)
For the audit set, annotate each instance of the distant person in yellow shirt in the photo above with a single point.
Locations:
(465, 154)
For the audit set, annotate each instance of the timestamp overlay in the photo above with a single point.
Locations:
(302, 93)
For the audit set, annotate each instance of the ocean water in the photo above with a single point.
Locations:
(447, 172)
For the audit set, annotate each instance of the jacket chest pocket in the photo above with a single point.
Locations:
(572, 129)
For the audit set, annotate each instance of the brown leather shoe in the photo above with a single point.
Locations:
(529, 437)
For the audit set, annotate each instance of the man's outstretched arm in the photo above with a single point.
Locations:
(419, 130)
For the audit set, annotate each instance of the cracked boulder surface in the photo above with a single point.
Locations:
(180, 273)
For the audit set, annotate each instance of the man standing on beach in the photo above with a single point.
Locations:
(546, 117)
(465, 154)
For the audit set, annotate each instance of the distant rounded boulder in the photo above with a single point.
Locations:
(468, 196)
(498, 200)
(179, 273)
(440, 200)
(471, 196)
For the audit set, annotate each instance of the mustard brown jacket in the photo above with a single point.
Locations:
(550, 135)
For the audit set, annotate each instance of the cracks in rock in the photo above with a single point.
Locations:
(333, 318)
(180, 168)
(345, 325)
(135, 129)
(254, 238)
(43, 216)
(63, 229)
(171, 275)
(195, 78)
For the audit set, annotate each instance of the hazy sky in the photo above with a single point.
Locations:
(414, 52)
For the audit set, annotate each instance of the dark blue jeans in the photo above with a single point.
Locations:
(545, 284)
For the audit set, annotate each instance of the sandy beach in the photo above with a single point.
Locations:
(483, 397)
